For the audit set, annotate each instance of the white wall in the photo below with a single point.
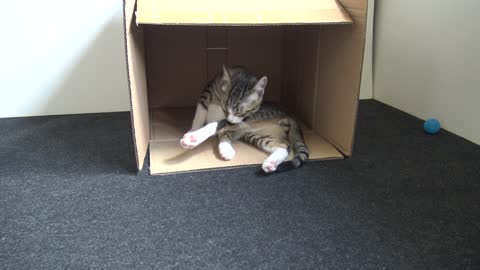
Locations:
(66, 57)
(62, 57)
(366, 87)
(427, 61)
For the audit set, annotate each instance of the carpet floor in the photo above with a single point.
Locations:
(70, 198)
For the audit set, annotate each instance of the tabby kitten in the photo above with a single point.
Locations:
(231, 106)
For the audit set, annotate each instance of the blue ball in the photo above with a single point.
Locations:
(431, 126)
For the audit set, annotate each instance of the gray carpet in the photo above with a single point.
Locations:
(70, 198)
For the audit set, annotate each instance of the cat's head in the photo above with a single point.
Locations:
(245, 93)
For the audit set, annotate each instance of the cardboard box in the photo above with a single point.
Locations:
(311, 51)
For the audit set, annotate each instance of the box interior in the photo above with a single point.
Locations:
(167, 156)
(313, 70)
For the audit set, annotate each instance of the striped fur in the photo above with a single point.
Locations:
(246, 117)
(237, 91)
(267, 129)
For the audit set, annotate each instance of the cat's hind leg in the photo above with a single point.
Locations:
(277, 156)
(277, 148)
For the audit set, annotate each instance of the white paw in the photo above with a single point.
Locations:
(271, 163)
(269, 166)
(190, 140)
(194, 138)
(226, 150)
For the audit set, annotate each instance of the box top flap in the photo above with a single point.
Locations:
(245, 12)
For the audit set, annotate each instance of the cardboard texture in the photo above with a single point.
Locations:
(134, 47)
(167, 156)
(339, 76)
(314, 72)
(245, 12)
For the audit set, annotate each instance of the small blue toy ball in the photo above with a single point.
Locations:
(431, 126)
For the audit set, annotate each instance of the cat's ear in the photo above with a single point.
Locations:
(260, 86)
(225, 75)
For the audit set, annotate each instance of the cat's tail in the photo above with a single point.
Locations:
(298, 146)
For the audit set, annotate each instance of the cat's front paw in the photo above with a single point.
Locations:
(269, 166)
(189, 141)
(226, 150)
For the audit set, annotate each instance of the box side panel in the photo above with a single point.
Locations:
(246, 12)
(182, 59)
(177, 64)
(217, 50)
(260, 50)
(340, 66)
(137, 83)
(300, 72)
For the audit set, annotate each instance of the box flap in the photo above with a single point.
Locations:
(137, 83)
(245, 12)
(339, 78)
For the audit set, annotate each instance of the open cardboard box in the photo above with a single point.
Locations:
(311, 51)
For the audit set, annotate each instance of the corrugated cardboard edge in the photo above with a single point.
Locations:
(344, 145)
(236, 167)
(134, 52)
(132, 119)
(249, 24)
(158, 12)
(349, 153)
(359, 86)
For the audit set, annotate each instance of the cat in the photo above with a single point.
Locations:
(231, 106)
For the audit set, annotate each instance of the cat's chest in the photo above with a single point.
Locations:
(215, 113)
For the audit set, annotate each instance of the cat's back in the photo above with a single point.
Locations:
(268, 111)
